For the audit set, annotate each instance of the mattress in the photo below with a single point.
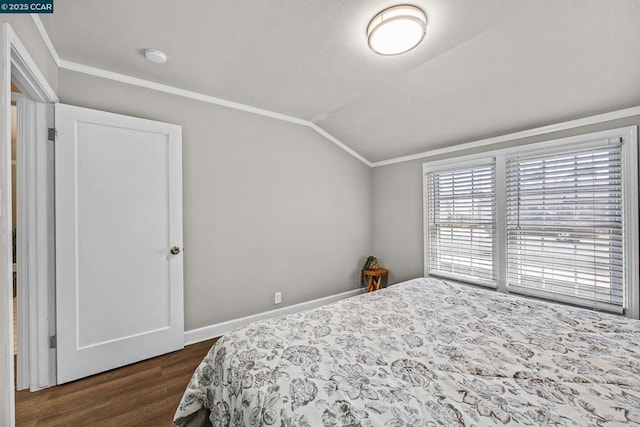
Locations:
(420, 353)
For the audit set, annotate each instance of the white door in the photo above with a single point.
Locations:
(118, 202)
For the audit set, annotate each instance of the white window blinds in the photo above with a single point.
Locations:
(461, 223)
(564, 226)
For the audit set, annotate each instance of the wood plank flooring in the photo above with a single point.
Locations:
(143, 394)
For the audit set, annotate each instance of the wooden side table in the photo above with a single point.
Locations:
(374, 278)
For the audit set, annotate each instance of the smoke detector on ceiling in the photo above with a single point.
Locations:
(155, 56)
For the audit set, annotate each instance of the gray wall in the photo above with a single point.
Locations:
(397, 219)
(397, 214)
(268, 205)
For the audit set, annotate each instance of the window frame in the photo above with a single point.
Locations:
(480, 162)
(549, 155)
(630, 241)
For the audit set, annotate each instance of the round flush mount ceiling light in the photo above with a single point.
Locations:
(155, 56)
(397, 30)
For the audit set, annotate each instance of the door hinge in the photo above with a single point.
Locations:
(51, 134)
(53, 341)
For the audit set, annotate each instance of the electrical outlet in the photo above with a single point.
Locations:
(277, 298)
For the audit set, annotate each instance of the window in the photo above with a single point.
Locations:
(564, 225)
(556, 219)
(461, 223)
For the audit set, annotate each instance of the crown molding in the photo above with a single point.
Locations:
(172, 90)
(335, 140)
(599, 118)
(45, 38)
(123, 78)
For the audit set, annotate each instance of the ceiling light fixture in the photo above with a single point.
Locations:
(397, 30)
(155, 56)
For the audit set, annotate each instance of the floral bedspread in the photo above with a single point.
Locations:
(422, 353)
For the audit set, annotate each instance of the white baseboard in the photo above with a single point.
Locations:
(217, 330)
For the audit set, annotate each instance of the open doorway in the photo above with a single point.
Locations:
(32, 230)
(19, 67)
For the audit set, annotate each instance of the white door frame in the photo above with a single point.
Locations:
(15, 63)
(36, 247)
(24, 108)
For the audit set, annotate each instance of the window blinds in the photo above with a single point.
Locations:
(461, 223)
(564, 226)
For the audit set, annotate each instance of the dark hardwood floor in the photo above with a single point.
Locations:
(143, 394)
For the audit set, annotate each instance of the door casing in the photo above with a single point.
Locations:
(17, 64)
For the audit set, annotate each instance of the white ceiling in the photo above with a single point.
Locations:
(486, 68)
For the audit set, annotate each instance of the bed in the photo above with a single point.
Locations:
(421, 353)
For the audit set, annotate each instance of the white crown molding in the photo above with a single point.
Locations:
(217, 330)
(335, 140)
(123, 78)
(614, 115)
(172, 90)
(135, 81)
(45, 38)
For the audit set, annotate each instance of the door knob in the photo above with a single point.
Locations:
(175, 250)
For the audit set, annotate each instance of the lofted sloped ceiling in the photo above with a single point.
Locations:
(485, 68)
